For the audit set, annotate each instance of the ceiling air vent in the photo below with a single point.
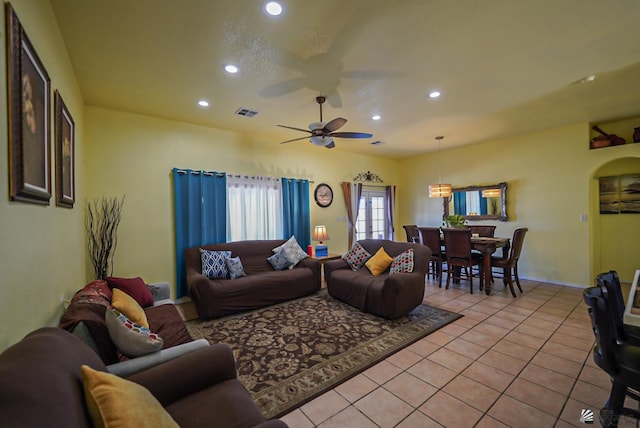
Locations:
(246, 112)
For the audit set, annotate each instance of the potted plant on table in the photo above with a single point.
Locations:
(456, 221)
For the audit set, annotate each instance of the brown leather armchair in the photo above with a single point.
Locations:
(41, 385)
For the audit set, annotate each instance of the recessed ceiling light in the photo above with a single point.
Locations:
(230, 68)
(376, 117)
(273, 8)
(434, 94)
(203, 103)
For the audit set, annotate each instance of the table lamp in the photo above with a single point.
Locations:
(320, 234)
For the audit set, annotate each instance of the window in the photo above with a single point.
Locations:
(372, 215)
(255, 208)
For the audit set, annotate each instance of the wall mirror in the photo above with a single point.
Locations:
(478, 202)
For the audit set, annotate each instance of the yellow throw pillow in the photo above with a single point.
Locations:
(129, 307)
(116, 402)
(379, 262)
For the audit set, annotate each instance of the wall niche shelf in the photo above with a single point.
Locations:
(618, 129)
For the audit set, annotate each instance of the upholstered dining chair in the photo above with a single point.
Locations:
(430, 237)
(509, 265)
(412, 233)
(620, 360)
(457, 244)
(486, 231)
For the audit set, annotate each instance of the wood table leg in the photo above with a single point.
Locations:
(486, 254)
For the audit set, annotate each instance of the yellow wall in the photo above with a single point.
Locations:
(43, 259)
(42, 255)
(549, 177)
(133, 155)
(618, 235)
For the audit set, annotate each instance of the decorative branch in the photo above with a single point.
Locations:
(101, 223)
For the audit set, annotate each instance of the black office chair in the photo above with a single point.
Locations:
(619, 359)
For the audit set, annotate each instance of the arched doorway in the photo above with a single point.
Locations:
(615, 237)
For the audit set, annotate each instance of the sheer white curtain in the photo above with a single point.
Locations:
(473, 203)
(255, 208)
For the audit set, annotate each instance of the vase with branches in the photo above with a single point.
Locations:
(101, 223)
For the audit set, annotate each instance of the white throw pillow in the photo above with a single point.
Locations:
(292, 251)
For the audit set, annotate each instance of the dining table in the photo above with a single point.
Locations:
(487, 246)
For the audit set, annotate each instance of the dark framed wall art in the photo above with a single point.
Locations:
(29, 113)
(65, 154)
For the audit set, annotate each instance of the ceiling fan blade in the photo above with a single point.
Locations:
(350, 135)
(296, 139)
(330, 145)
(294, 128)
(335, 124)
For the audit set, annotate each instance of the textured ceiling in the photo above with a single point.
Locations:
(504, 67)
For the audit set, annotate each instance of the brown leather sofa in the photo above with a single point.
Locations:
(385, 295)
(41, 385)
(263, 286)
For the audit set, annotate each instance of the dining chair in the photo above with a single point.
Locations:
(486, 231)
(609, 282)
(509, 265)
(412, 233)
(617, 358)
(457, 245)
(430, 237)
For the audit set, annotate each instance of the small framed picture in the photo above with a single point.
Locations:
(29, 117)
(65, 154)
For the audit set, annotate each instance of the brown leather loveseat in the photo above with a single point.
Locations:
(387, 295)
(262, 285)
(41, 385)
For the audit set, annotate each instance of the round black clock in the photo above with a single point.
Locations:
(323, 195)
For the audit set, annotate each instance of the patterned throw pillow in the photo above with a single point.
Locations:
(356, 257)
(379, 262)
(292, 251)
(403, 263)
(236, 270)
(279, 260)
(131, 339)
(213, 263)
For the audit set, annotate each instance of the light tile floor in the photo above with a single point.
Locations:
(519, 362)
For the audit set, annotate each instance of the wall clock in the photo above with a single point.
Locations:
(323, 195)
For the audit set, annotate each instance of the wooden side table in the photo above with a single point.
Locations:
(322, 260)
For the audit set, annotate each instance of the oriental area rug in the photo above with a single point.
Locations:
(290, 353)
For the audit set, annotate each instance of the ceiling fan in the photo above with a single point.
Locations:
(322, 133)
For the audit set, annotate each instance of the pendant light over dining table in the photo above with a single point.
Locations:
(439, 190)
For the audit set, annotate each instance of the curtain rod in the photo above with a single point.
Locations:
(211, 173)
(194, 172)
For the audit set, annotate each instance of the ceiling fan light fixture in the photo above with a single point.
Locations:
(321, 140)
